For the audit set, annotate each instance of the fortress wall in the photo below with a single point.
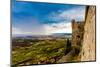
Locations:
(89, 43)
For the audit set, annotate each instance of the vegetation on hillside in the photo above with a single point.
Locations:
(40, 52)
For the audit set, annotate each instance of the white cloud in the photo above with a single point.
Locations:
(35, 31)
(75, 13)
(61, 27)
(17, 31)
(47, 29)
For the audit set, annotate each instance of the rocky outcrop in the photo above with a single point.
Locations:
(89, 44)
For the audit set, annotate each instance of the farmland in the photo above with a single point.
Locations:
(38, 51)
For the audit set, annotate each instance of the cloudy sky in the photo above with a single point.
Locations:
(33, 18)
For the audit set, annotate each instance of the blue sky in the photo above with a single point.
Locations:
(33, 18)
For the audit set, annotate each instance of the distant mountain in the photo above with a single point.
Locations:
(43, 36)
(62, 34)
(20, 35)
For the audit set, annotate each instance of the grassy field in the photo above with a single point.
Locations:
(41, 52)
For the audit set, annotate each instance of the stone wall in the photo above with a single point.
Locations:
(89, 43)
(77, 34)
(77, 30)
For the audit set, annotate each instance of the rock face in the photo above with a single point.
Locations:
(89, 44)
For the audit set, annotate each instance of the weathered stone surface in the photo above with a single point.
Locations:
(88, 44)
(77, 34)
